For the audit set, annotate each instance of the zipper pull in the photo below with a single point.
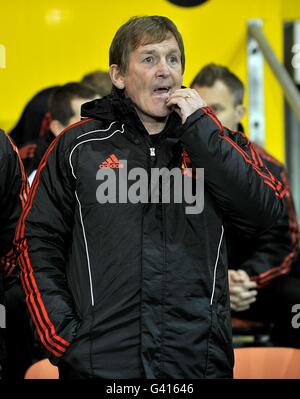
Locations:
(152, 151)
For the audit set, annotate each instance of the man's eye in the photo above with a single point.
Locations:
(148, 60)
(173, 59)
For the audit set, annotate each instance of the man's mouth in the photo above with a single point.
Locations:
(162, 91)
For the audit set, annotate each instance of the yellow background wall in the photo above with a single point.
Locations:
(55, 41)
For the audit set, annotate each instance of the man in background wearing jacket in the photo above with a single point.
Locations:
(120, 283)
(13, 194)
(262, 281)
(64, 109)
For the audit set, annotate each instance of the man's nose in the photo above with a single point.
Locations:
(163, 69)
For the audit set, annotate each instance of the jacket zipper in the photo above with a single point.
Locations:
(152, 156)
(152, 152)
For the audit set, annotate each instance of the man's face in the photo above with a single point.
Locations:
(76, 104)
(221, 100)
(154, 72)
(57, 127)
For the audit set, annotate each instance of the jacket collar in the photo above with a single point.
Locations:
(116, 106)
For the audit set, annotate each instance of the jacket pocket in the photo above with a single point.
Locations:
(220, 351)
(77, 359)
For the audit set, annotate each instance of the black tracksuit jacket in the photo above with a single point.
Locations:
(124, 290)
(13, 194)
(273, 253)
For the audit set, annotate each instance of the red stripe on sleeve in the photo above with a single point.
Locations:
(34, 300)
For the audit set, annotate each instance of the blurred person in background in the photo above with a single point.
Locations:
(64, 109)
(32, 124)
(98, 81)
(262, 272)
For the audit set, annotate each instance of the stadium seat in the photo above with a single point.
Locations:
(267, 363)
(42, 369)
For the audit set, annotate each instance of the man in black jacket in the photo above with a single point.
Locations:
(262, 280)
(122, 280)
(13, 193)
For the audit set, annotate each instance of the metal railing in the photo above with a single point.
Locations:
(292, 96)
(290, 90)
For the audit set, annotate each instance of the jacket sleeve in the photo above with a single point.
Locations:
(13, 194)
(43, 240)
(247, 194)
(276, 249)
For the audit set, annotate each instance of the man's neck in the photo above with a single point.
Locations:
(152, 125)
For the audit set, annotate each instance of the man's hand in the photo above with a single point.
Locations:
(185, 102)
(241, 290)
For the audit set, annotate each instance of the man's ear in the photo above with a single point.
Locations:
(240, 112)
(116, 76)
(56, 127)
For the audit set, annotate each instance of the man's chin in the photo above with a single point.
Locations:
(159, 114)
(162, 113)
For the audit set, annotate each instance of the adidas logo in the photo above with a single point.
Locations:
(111, 162)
